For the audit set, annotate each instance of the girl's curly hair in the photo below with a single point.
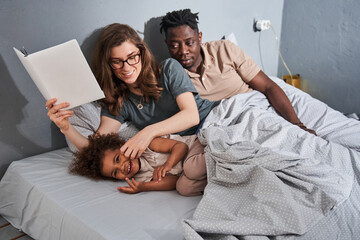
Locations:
(87, 162)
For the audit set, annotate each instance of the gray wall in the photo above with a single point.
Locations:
(320, 40)
(25, 129)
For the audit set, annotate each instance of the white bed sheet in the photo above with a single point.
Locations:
(39, 197)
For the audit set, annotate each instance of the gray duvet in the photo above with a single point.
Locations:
(266, 177)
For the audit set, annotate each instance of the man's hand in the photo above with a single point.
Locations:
(302, 126)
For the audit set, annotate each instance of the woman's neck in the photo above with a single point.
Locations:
(135, 90)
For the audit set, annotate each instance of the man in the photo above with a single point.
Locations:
(220, 69)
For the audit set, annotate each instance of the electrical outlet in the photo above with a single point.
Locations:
(260, 25)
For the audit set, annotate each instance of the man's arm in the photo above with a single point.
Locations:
(277, 99)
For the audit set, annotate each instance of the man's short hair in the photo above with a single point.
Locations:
(179, 18)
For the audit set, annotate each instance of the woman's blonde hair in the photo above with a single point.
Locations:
(115, 90)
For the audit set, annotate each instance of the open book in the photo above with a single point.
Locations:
(62, 72)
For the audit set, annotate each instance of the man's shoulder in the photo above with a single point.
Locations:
(217, 44)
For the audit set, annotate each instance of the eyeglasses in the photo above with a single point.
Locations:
(117, 64)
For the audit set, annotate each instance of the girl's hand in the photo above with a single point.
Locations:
(58, 116)
(136, 145)
(160, 172)
(134, 186)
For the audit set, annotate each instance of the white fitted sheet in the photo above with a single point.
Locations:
(41, 198)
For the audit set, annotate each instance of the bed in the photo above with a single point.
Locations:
(39, 196)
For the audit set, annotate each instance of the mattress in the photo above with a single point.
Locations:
(40, 197)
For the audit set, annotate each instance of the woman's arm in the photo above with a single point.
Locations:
(168, 183)
(187, 117)
(177, 150)
(61, 118)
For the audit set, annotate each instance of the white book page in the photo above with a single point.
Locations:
(25, 61)
(62, 72)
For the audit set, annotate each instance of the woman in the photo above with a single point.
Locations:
(158, 101)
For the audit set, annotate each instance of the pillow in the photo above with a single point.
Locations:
(231, 37)
(86, 120)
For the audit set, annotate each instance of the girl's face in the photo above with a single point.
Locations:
(126, 63)
(116, 165)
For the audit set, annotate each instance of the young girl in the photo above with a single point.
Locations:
(158, 100)
(152, 171)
